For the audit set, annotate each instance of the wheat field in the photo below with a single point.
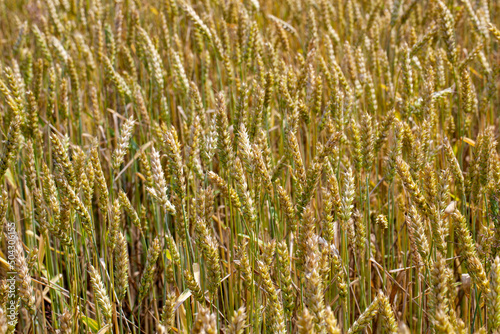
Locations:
(249, 166)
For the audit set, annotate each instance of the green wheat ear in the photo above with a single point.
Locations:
(195, 166)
